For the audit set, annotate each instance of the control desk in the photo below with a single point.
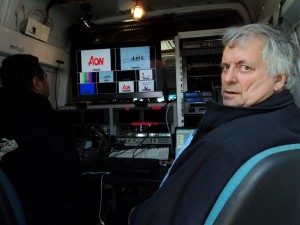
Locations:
(125, 148)
(128, 185)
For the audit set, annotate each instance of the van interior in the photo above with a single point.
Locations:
(133, 81)
(129, 77)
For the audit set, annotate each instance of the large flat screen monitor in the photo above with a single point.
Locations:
(115, 72)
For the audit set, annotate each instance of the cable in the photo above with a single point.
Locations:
(19, 7)
(59, 62)
(101, 187)
(280, 17)
(35, 13)
(55, 89)
(100, 206)
(167, 123)
(144, 139)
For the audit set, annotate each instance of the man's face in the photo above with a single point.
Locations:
(41, 86)
(244, 75)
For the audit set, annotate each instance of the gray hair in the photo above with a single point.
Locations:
(281, 52)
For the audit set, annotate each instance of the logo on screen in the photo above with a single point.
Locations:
(96, 61)
(126, 88)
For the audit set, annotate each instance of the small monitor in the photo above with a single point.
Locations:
(181, 136)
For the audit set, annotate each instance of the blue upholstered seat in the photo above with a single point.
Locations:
(264, 191)
(11, 211)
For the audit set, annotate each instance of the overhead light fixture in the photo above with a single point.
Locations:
(137, 11)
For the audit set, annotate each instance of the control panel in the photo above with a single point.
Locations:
(145, 139)
(194, 102)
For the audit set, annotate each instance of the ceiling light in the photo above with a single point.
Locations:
(137, 11)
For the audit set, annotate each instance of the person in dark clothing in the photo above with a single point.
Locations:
(259, 68)
(38, 152)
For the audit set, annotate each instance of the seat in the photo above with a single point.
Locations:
(11, 211)
(264, 191)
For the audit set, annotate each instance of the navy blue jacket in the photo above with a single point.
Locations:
(226, 138)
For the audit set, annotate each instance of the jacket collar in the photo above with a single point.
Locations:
(217, 114)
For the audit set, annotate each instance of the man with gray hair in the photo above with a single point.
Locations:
(259, 67)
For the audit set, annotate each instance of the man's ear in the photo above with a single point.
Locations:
(36, 84)
(280, 81)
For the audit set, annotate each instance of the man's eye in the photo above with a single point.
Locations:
(225, 67)
(244, 68)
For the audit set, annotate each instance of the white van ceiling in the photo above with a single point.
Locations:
(113, 10)
(164, 18)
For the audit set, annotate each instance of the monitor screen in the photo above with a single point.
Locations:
(110, 72)
(171, 97)
(181, 136)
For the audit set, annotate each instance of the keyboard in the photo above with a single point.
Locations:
(161, 153)
(124, 165)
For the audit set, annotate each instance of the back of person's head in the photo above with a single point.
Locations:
(18, 71)
(281, 52)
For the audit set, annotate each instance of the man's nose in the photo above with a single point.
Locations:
(229, 76)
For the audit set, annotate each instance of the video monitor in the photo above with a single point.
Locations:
(115, 72)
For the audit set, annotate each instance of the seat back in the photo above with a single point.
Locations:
(264, 191)
(11, 211)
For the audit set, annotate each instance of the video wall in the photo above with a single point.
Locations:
(114, 72)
